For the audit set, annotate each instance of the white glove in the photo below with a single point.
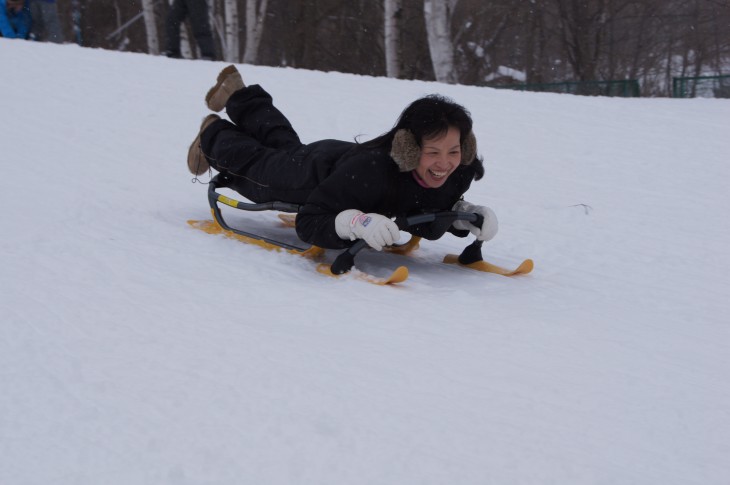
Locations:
(377, 230)
(489, 227)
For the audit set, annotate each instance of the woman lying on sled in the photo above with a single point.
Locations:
(346, 190)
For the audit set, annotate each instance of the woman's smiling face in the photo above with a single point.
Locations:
(440, 156)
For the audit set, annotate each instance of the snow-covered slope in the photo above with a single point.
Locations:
(136, 350)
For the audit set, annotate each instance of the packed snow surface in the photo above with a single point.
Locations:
(135, 349)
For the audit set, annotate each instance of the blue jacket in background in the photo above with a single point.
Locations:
(14, 25)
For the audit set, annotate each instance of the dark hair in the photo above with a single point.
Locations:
(427, 117)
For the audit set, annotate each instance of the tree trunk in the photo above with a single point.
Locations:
(150, 23)
(535, 44)
(231, 52)
(437, 14)
(76, 21)
(254, 29)
(393, 11)
(583, 24)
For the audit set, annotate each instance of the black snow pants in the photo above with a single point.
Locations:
(261, 154)
(197, 10)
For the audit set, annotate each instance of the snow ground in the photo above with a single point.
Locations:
(135, 350)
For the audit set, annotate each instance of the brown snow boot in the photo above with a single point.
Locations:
(197, 164)
(229, 81)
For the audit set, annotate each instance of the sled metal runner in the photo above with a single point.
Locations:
(470, 258)
(214, 197)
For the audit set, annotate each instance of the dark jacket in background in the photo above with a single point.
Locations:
(15, 25)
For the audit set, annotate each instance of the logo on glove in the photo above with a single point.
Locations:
(363, 219)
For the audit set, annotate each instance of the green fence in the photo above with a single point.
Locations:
(701, 87)
(626, 88)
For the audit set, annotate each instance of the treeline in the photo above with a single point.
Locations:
(476, 42)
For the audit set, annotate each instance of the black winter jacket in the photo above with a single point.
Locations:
(369, 180)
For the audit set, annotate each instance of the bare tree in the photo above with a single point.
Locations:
(583, 25)
(255, 15)
(150, 23)
(393, 10)
(479, 55)
(469, 41)
(231, 52)
(437, 14)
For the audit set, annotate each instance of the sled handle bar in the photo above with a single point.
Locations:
(214, 197)
(472, 253)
